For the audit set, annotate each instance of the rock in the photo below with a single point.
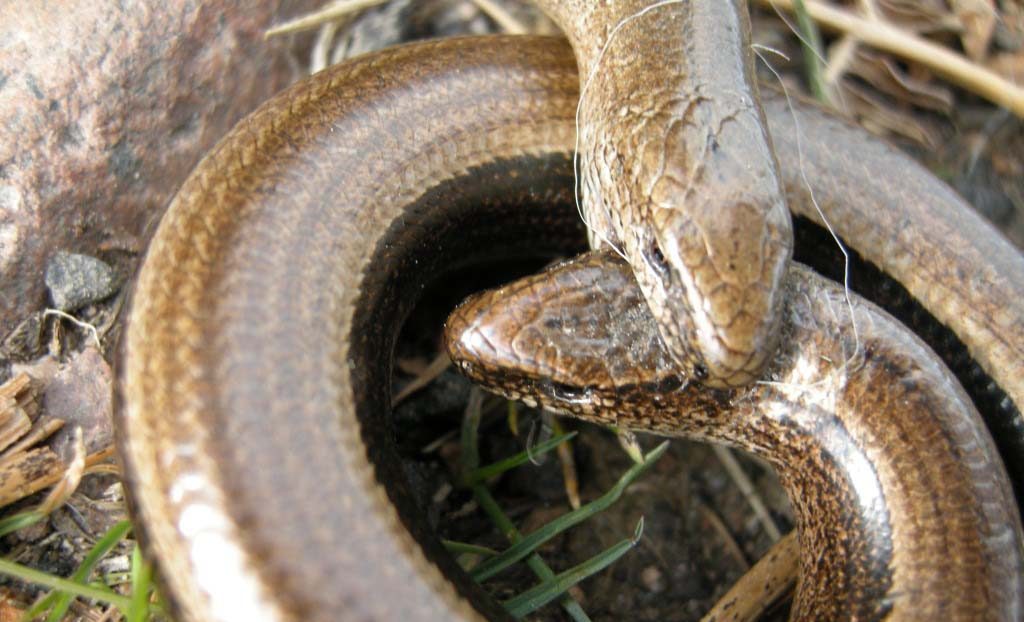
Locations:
(104, 109)
(78, 280)
(25, 341)
(42, 370)
(80, 394)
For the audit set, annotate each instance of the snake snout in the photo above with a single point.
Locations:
(719, 306)
(722, 332)
(570, 338)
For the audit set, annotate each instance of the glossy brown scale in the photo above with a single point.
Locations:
(253, 418)
(903, 508)
(677, 171)
(815, 247)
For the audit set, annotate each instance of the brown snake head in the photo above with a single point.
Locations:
(677, 172)
(709, 258)
(524, 341)
(883, 456)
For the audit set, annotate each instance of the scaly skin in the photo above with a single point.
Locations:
(677, 171)
(903, 508)
(254, 387)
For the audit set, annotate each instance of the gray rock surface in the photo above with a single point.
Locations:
(105, 107)
(81, 394)
(77, 280)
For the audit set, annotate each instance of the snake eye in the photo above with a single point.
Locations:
(700, 372)
(656, 259)
(566, 393)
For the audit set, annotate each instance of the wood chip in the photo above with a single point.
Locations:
(39, 433)
(770, 578)
(29, 472)
(14, 422)
(16, 386)
(18, 407)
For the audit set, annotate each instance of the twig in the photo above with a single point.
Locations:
(732, 466)
(505, 20)
(31, 471)
(69, 480)
(113, 314)
(840, 55)
(40, 432)
(319, 55)
(869, 8)
(954, 67)
(332, 11)
(435, 369)
(569, 476)
(771, 577)
(723, 532)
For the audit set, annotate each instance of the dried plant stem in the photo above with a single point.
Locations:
(840, 54)
(505, 20)
(723, 532)
(735, 471)
(769, 579)
(884, 36)
(332, 11)
(437, 366)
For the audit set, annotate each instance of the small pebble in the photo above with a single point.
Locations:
(77, 280)
(653, 579)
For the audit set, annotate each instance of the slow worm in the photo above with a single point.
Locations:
(903, 507)
(254, 388)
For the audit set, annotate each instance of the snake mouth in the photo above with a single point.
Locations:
(733, 371)
(721, 334)
(550, 339)
(699, 348)
(562, 392)
(536, 392)
(484, 356)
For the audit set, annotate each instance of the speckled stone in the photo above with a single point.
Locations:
(77, 280)
(104, 109)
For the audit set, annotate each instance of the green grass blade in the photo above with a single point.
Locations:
(521, 458)
(61, 601)
(470, 460)
(142, 575)
(457, 548)
(19, 521)
(810, 40)
(31, 575)
(540, 595)
(533, 561)
(527, 544)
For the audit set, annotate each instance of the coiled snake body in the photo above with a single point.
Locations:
(862, 422)
(253, 393)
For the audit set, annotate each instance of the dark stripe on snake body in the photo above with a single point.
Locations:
(254, 388)
(815, 247)
(884, 459)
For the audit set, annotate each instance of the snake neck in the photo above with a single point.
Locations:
(896, 487)
(677, 173)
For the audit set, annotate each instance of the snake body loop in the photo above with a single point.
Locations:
(254, 389)
(903, 507)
